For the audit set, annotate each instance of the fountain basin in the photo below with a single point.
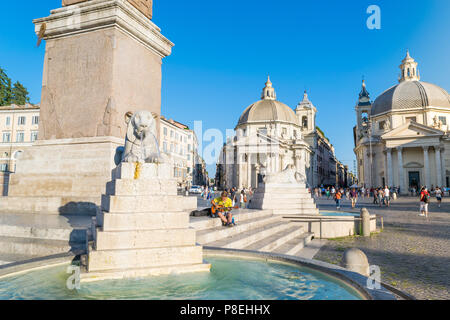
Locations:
(235, 274)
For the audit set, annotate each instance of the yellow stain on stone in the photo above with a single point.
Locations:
(137, 171)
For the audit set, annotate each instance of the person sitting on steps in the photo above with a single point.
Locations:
(222, 206)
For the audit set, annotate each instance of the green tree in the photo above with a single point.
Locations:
(5, 89)
(19, 94)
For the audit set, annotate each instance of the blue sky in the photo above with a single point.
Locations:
(225, 49)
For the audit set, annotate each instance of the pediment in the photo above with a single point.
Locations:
(413, 165)
(412, 130)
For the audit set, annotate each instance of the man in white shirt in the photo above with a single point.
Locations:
(386, 196)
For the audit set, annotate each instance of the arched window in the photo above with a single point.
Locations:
(305, 122)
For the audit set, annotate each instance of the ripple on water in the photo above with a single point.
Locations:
(235, 279)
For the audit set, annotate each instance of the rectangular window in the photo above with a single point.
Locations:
(21, 121)
(8, 121)
(4, 167)
(165, 146)
(34, 136)
(171, 133)
(381, 125)
(443, 120)
(189, 148)
(176, 136)
(284, 131)
(35, 120)
(6, 137)
(189, 157)
(165, 132)
(171, 147)
(20, 137)
(411, 119)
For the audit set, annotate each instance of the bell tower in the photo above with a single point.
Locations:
(306, 114)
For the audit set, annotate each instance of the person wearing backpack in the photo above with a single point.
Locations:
(424, 200)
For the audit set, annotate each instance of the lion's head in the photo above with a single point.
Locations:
(140, 124)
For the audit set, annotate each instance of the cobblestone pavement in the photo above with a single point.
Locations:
(413, 253)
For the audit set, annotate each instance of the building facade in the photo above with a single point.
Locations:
(402, 138)
(19, 127)
(181, 145)
(269, 136)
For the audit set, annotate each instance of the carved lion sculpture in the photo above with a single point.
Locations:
(288, 175)
(141, 144)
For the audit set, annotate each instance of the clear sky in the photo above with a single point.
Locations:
(225, 49)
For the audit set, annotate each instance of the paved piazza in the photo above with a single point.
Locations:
(413, 254)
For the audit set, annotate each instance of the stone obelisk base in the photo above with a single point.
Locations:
(143, 228)
(64, 176)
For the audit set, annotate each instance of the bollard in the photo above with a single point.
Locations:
(355, 260)
(365, 222)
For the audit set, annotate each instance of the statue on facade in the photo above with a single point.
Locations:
(437, 123)
(141, 144)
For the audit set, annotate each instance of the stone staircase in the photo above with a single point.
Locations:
(27, 236)
(258, 230)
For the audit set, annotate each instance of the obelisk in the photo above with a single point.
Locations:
(103, 58)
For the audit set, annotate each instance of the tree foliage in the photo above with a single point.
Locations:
(12, 94)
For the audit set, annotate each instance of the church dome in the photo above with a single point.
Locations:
(410, 93)
(268, 109)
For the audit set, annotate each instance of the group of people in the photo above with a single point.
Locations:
(425, 197)
(381, 196)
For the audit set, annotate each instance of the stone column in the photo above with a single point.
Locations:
(437, 150)
(426, 167)
(389, 167)
(400, 170)
(277, 163)
(249, 170)
(282, 162)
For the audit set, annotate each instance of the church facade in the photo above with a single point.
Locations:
(270, 136)
(402, 139)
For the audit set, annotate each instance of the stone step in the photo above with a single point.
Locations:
(73, 235)
(282, 196)
(142, 187)
(50, 205)
(110, 260)
(142, 220)
(144, 272)
(51, 227)
(37, 247)
(8, 258)
(293, 246)
(240, 215)
(132, 204)
(215, 234)
(313, 211)
(279, 204)
(278, 239)
(245, 239)
(143, 239)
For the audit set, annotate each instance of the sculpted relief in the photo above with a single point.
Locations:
(289, 175)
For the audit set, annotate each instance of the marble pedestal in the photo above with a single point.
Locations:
(143, 228)
(284, 199)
